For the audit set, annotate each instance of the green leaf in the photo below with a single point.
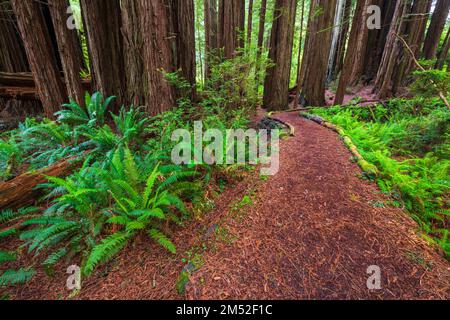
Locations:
(162, 240)
(7, 256)
(104, 252)
(13, 277)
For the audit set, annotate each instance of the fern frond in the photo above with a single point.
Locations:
(162, 240)
(105, 251)
(7, 257)
(55, 257)
(13, 277)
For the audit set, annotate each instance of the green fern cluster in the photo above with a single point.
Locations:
(38, 144)
(412, 152)
(126, 186)
(94, 114)
(140, 204)
(117, 192)
(12, 276)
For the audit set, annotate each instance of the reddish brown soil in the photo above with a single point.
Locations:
(311, 233)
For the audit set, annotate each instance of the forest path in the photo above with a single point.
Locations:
(311, 232)
(314, 229)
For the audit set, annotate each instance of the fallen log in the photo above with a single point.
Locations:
(21, 93)
(26, 80)
(21, 191)
(19, 79)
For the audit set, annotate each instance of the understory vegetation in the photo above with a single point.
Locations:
(126, 184)
(409, 142)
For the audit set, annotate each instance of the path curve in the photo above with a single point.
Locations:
(313, 232)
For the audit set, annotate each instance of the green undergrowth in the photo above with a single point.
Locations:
(127, 185)
(408, 141)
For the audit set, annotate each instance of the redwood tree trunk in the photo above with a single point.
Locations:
(276, 86)
(157, 54)
(40, 55)
(12, 53)
(319, 43)
(211, 30)
(231, 26)
(384, 81)
(359, 48)
(184, 50)
(309, 30)
(413, 33)
(132, 47)
(250, 22)
(69, 49)
(261, 31)
(444, 52)
(353, 66)
(342, 41)
(435, 30)
(336, 32)
(299, 59)
(377, 40)
(102, 22)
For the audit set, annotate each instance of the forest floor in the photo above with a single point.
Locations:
(309, 232)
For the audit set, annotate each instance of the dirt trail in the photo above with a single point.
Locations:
(311, 233)
(314, 230)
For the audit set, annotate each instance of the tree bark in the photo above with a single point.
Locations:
(444, 52)
(276, 86)
(69, 50)
(261, 31)
(45, 10)
(157, 54)
(384, 81)
(354, 45)
(132, 47)
(26, 80)
(102, 22)
(437, 25)
(211, 30)
(416, 17)
(337, 30)
(309, 30)
(231, 26)
(250, 23)
(299, 61)
(13, 57)
(184, 32)
(360, 47)
(319, 43)
(377, 40)
(21, 191)
(342, 41)
(40, 56)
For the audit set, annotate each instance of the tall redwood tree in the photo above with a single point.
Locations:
(69, 50)
(276, 85)
(40, 55)
(318, 46)
(102, 22)
(231, 26)
(437, 25)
